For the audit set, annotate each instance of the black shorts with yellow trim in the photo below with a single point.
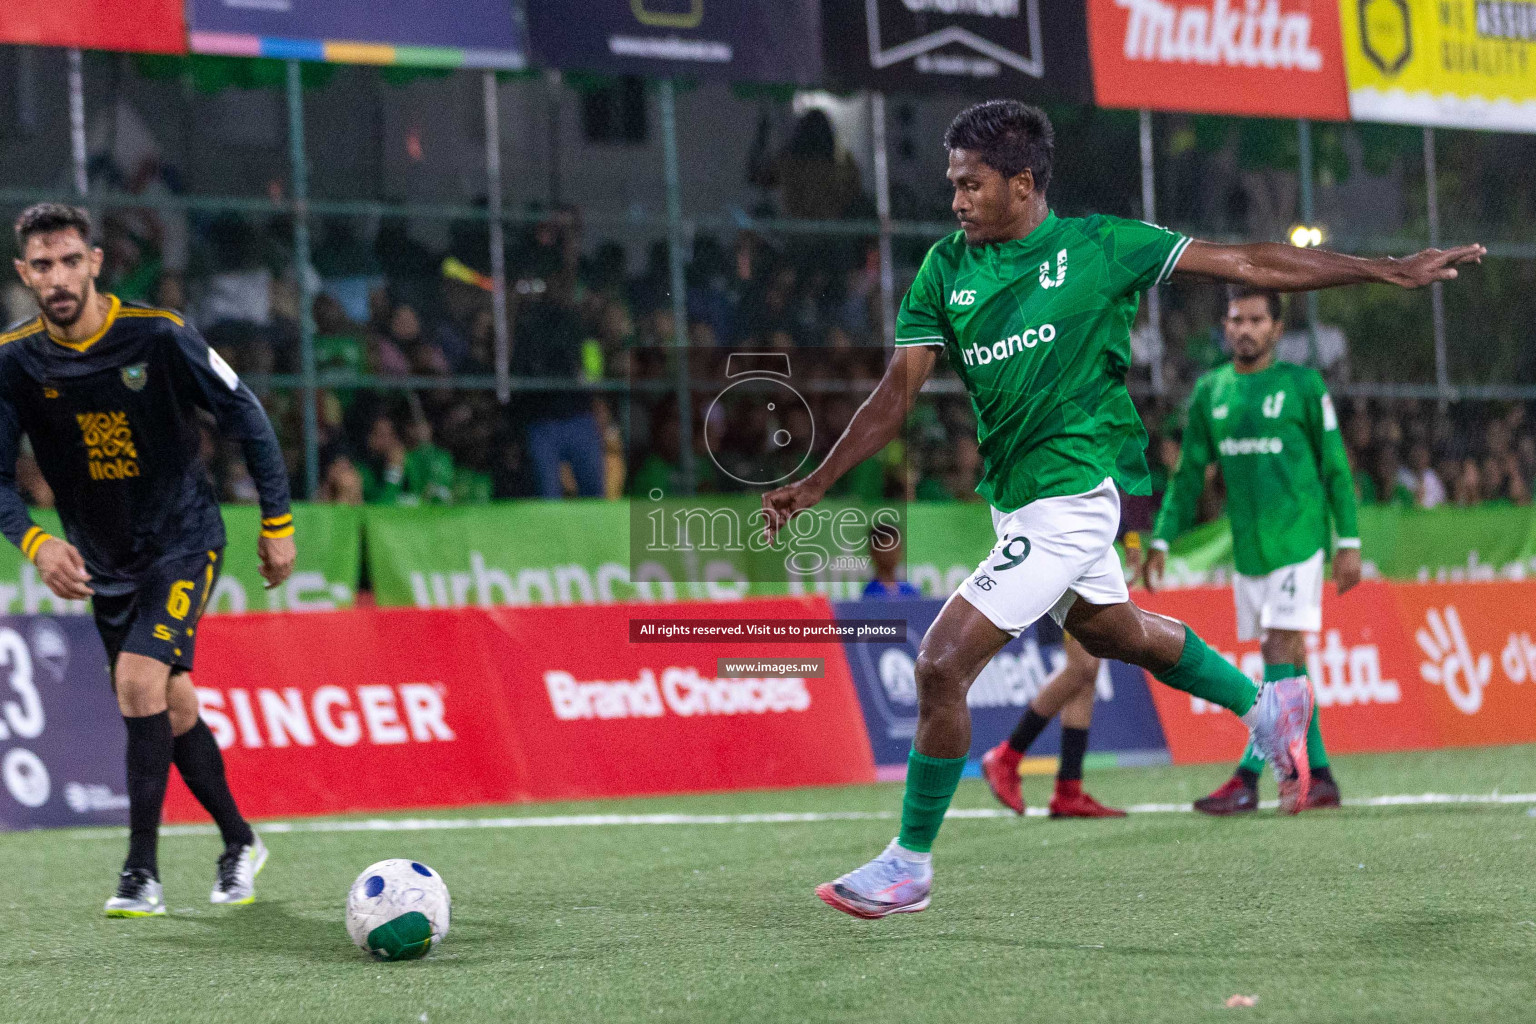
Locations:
(159, 618)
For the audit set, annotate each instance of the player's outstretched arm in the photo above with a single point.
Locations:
(1288, 268)
(875, 425)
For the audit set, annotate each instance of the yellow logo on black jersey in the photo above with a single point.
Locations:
(50, 392)
(109, 445)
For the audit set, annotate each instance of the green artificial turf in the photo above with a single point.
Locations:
(1408, 913)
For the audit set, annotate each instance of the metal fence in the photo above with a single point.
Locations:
(896, 238)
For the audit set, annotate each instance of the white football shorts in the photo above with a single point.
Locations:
(1048, 554)
(1291, 597)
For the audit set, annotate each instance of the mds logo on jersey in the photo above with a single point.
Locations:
(963, 298)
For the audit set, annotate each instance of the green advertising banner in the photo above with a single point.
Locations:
(325, 576)
(1443, 545)
(528, 553)
(577, 552)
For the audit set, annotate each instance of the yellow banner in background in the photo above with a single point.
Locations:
(1447, 63)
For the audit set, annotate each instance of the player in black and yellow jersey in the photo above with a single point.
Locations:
(109, 393)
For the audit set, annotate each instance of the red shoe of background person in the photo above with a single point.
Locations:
(1324, 794)
(1232, 797)
(1000, 767)
(1069, 801)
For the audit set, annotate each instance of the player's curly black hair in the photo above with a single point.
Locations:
(42, 218)
(1247, 291)
(1010, 136)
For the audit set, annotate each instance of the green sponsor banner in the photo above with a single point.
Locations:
(1443, 545)
(575, 552)
(324, 577)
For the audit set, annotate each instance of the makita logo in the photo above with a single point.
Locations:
(981, 355)
(1342, 674)
(976, 8)
(1251, 446)
(682, 691)
(1255, 34)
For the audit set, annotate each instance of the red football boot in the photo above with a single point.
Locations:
(1069, 801)
(1000, 767)
(1324, 793)
(1232, 797)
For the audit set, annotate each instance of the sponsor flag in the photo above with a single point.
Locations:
(1451, 63)
(1030, 49)
(1259, 58)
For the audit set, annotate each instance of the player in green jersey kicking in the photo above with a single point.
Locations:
(1271, 427)
(1034, 312)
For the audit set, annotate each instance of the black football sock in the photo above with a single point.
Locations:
(1074, 744)
(1028, 728)
(202, 769)
(1248, 777)
(1323, 774)
(149, 768)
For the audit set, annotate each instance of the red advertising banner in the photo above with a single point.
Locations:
(1473, 658)
(330, 712)
(327, 712)
(1364, 671)
(1259, 58)
(146, 26)
(599, 716)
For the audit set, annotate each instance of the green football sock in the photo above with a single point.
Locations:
(931, 784)
(1207, 675)
(1252, 760)
(1317, 754)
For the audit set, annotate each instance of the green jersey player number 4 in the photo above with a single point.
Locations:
(1034, 313)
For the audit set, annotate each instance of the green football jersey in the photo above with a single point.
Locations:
(1039, 329)
(1277, 440)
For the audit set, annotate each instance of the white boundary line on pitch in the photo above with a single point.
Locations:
(774, 818)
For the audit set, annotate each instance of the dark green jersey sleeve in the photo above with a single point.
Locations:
(240, 417)
(1332, 462)
(1138, 255)
(921, 319)
(1182, 499)
(15, 521)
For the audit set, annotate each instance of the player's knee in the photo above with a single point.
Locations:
(1114, 644)
(183, 716)
(939, 681)
(141, 686)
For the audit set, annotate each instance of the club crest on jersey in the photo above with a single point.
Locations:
(135, 376)
(1046, 281)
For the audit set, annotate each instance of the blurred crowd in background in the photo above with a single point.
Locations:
(598, 340)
